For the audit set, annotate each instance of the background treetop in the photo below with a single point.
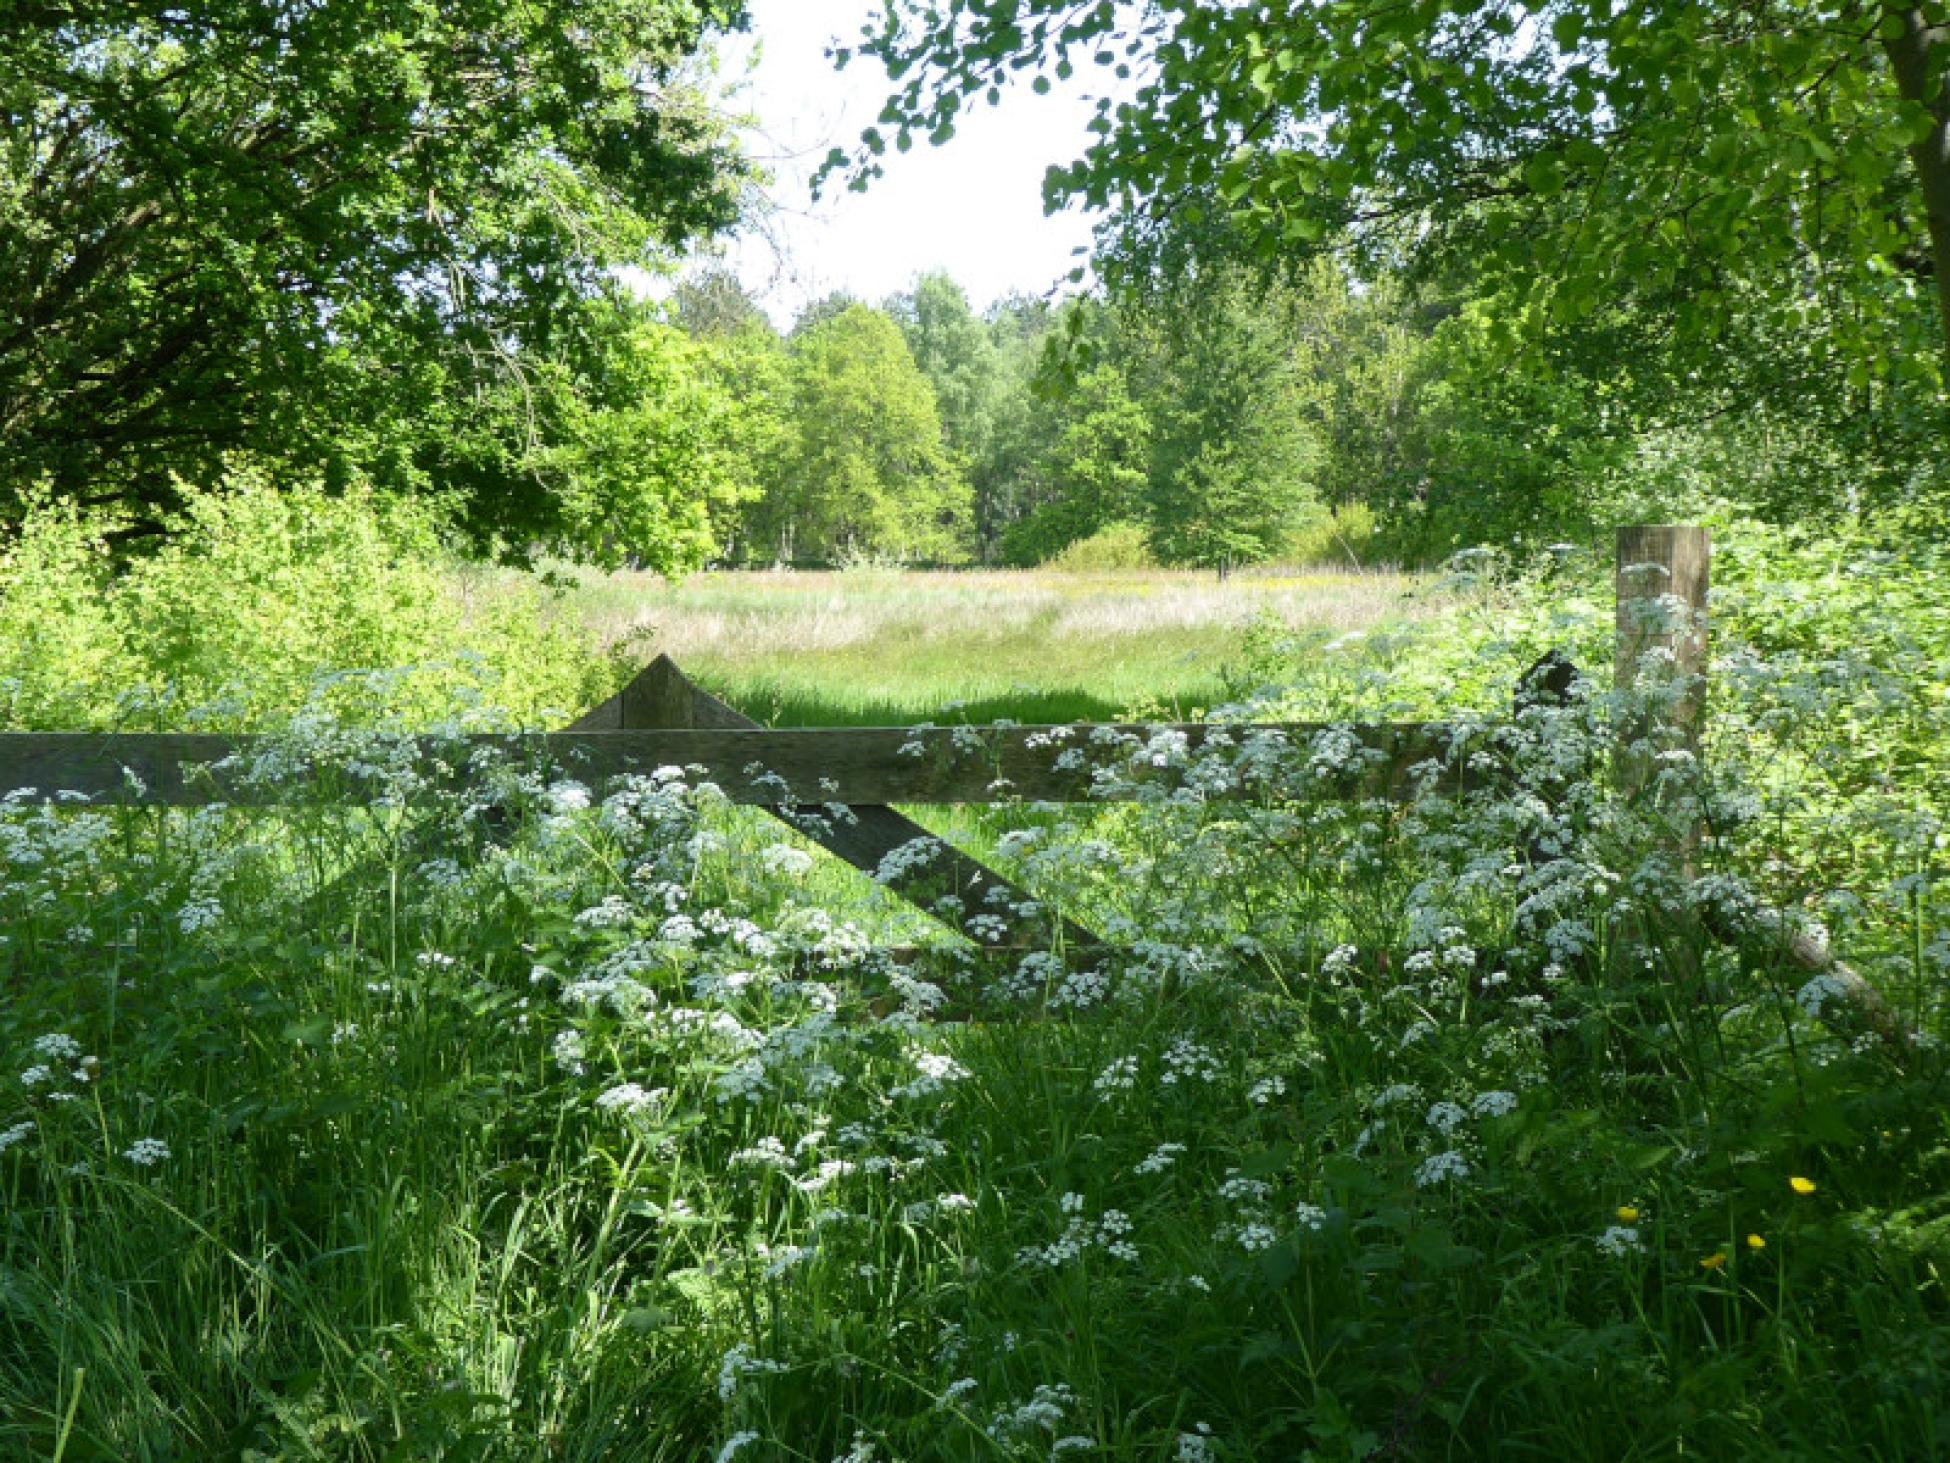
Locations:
(1578, 150)
(326, 231)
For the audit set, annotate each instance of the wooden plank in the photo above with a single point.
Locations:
(762, 767)
(864, 834)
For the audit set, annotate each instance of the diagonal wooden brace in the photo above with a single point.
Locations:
(663, 698)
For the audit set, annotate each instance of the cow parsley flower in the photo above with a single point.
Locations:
(1119, 1076)
(1493, 1104)
(1255, 1237)
(1446, 1117)
(1441, 1167)
(199, 915)
(739, 1363)
(147, 1152)
(1619, 1241)
(632, 1098)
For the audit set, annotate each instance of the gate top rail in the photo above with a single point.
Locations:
(757, 766)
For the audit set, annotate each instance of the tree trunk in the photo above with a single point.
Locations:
(1910, 55)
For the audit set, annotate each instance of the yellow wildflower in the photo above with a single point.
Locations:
(1801, 1185)
(1714, 1261)
(1627, 1214)
(1755, 1242)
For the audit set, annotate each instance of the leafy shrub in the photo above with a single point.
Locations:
(258, 592)
(1342, 535)
(1113, 549)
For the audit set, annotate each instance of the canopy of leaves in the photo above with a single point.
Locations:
(1792, 155)
(863, 470)
(336, 232)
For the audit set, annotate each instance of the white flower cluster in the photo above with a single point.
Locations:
(1043, 1412)
(147, 1152)
(1619, 1241)
(1161, 1158)
(1447, 1167)
(632, 1100)
(1109, 1233)
(739, 1363)
(1186, 1060)
(1120, 1076)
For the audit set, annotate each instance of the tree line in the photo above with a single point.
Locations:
(1238, 415)
(1371, 279)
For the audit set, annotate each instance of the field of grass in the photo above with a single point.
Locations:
(863, 648)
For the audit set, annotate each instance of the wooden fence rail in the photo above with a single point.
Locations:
(764, 766)
(837, 785)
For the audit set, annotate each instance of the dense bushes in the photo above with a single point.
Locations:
(258, 593)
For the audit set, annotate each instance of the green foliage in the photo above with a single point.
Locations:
(955, 351)
(1577, 156)
(380, 240)
(260, 590)
(647, 450)
(864, 469)
(1112, 548)
(1381, 1129)
(714, 305)
(1234, 462)
(1343, 535)
(1091, 469)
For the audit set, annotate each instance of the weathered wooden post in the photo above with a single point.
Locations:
(1662, 579)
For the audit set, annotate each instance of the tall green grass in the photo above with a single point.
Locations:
(604, 1128)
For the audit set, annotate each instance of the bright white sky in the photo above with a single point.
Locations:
(973, 207)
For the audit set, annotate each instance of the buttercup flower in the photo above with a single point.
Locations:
(1801, 1185)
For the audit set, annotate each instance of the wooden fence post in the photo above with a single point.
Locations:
(1662, 578)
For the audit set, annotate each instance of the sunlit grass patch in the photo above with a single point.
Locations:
(878, 647)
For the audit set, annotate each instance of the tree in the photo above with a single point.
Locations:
(1578, 152)
(1234, 458)
(334, 233)
(1091, 469)
(863, 469)
(958, 354)
(649, 444)
(714, 304)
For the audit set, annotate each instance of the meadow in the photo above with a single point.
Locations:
(519, 1118)
(874, 647)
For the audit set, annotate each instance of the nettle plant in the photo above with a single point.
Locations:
(514, 1115)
